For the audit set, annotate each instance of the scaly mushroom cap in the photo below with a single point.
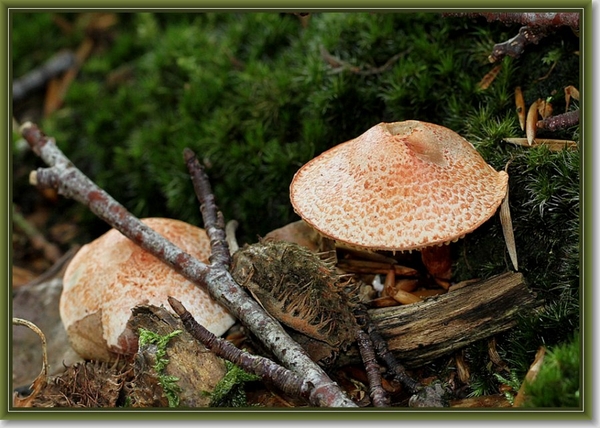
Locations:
(399, 186)
(108, 277)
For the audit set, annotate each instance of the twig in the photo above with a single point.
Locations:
(72, 183)
(397, 370)
(213, 219)
(514, 47)
(340, 65)
(365, 346)
(37, 239)
(37, 78)
(530, 19)
(560, 121)
(54, 270)
(267, 370)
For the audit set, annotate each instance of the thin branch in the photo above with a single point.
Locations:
(213, 219)
(72, 183)
(560, 121)
(37, 78)
(378, 395)
(267, 370)
(529, 19)
(514, 47)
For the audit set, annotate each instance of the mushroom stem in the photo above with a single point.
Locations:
(72, 183)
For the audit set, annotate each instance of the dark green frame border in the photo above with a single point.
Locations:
(306, 414)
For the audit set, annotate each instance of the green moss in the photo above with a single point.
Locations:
(168, 383)
(558, 382)
(229, 392)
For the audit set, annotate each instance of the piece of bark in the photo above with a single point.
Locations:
(421, 332)
(197, 369)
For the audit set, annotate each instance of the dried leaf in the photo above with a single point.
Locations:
(534, 369)
(406, 298)
(570, 92)
(520, 105)
(487, 80)
(531, 123)
(544, 109)
(507, 230)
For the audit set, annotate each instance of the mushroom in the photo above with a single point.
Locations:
(108, 277)
(399, 186)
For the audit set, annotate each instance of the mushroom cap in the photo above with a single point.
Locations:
(111, 275)
(399, 186)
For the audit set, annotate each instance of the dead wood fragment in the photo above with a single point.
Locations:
(197, 371)
(486, 401)
(419, 333)
(42, 379)
(514, 47)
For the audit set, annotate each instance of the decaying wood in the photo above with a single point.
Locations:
(196, 369)
(421, 332)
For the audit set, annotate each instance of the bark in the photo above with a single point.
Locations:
(530, 19)
(72, 183)
(560, 121)
(421, 332)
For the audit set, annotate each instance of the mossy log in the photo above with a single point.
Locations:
(421, 332)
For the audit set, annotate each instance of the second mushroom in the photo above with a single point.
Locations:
(399, 186)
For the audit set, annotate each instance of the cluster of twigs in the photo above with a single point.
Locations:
(62, 175)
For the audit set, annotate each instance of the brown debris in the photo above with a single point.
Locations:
(84, 385)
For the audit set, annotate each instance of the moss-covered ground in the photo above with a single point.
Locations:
(256, 95)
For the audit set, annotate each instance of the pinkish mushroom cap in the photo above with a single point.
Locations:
(111, 275)
(399, 186)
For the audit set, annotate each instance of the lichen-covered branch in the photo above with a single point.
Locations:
(72, 183)
(546, 19)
